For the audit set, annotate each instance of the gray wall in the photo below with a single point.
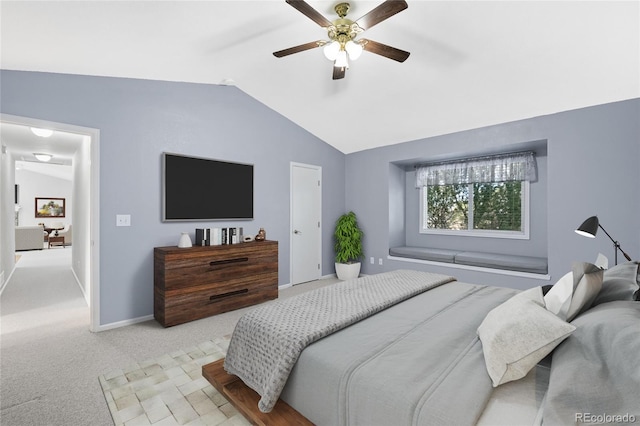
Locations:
(591, 168)
(138, 120)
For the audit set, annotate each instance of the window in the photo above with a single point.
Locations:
(486, 196)
(497, 209)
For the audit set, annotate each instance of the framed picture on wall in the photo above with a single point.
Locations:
(49, 207)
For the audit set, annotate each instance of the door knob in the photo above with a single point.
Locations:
(295, 231)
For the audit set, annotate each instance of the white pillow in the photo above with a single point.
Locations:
(574, 292)
(519, 333)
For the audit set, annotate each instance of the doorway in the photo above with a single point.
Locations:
(306, 224)
(85, 189)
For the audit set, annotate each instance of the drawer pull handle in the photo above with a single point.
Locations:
(229, 294)
(228, 261)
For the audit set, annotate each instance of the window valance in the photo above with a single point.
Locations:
(496, 168)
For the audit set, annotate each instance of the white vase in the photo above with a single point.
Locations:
(347, 271)
(185, 240)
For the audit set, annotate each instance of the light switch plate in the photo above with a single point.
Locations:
(123, 220)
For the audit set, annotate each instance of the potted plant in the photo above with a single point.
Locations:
(348, 246)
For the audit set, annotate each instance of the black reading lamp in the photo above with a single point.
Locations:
(589, 228)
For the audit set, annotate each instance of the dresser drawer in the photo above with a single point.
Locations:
(212, 266)
(212, 271)
(186, 304)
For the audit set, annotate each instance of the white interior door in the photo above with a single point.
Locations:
(306, 231)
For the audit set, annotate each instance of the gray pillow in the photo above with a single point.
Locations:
(596, 371)
(519, 333)
(619, 283)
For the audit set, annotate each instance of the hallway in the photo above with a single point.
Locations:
(41, 290)
(44, 318)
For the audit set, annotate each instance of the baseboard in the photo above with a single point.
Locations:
(84, 293)
(322, 277)
(124, 323)
(3, 283)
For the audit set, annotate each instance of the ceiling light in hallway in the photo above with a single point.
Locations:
(43, 157)
(44, 133)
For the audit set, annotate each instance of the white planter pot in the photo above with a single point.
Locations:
(347, 271)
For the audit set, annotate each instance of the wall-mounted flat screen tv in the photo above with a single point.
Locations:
(205, 189)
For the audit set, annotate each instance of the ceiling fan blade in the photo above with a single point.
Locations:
(338, 72)
(384, 50)
(310, 12)
(381, 12)
(300, 48)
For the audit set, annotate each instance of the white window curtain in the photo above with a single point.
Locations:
(496, 168)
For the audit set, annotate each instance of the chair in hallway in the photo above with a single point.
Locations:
(66, 233)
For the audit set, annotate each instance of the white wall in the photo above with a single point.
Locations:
(7, 236)
(32, 185)
(81, 213)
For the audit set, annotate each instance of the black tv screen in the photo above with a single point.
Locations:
(205, 189)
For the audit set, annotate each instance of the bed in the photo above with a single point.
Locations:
(437, 351)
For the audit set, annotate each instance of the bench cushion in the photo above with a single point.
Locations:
(510, 262)
(424, 253)
(535, 265)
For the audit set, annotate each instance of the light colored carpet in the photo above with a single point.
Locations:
(170, 390)
(50, 361)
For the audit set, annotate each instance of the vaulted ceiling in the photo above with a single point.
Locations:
(472, 63)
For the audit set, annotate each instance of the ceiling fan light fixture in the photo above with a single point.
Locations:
(341, 44)
(43, 133)
(353, 49)
(341, 60)
(331, 50)
(43, 157)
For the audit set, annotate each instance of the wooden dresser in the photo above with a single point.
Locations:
(196, 282)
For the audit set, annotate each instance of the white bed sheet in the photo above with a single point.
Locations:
(518, 402)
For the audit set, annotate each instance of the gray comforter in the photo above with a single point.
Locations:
(268, 340)
(595, 373)
(419, 362)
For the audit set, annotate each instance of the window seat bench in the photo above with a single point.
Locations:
(529, 264)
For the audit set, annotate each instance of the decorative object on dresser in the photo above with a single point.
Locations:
(185, 240)
(219, 236)
(197, 282)
(262, 235)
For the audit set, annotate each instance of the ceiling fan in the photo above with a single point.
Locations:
(342, 32)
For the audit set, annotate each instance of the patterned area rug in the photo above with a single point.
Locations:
(170, 390)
